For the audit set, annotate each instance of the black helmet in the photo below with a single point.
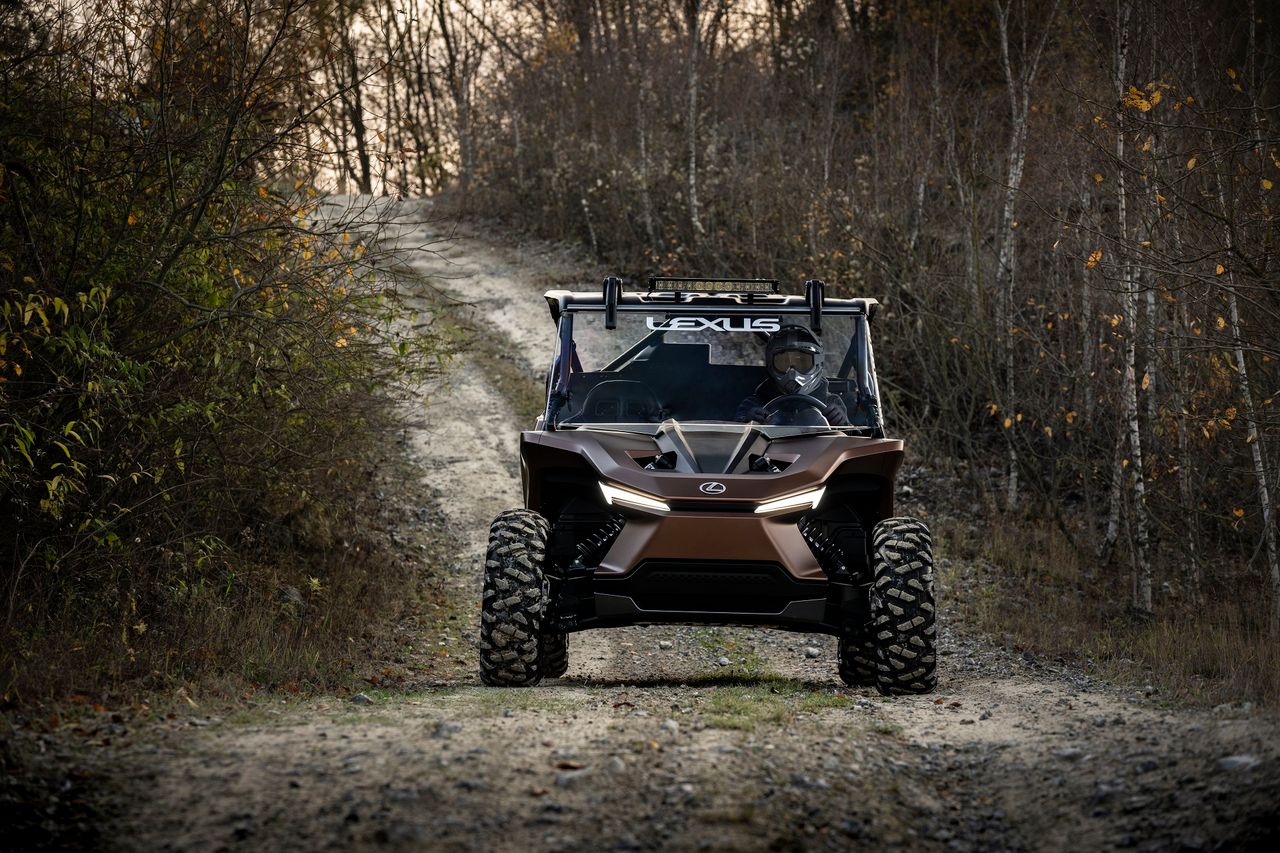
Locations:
(793, 358)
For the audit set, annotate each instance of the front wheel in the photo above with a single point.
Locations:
(516, 597)
(903, 629)
(856, 656)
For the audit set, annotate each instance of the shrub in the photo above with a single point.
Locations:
(197, 347)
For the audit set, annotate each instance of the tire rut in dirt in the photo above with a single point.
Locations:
(515, 598)
(902, 607)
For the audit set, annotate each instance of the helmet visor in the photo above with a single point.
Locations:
(800, 360)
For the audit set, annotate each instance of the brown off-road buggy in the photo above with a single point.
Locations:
(654, 494)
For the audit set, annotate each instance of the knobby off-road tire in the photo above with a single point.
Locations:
(857, 660)
(513, 646)
(903, 629)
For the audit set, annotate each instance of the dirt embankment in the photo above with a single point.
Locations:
(671, 737)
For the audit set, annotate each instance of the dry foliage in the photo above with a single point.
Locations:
(196, 347)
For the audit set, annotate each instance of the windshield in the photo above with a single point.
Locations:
(771, 370)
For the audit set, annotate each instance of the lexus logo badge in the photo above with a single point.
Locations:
(712, 488)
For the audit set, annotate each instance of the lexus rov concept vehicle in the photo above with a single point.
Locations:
(711, 452)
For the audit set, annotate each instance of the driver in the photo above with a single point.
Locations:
(793, 359)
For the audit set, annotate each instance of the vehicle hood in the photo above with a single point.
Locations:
(721, 453)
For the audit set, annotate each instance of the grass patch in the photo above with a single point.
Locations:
(1027, 586)
(887, 729)
(519, 383)
(776, 700)
(739, 650)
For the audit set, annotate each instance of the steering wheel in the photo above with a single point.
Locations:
(796, 410)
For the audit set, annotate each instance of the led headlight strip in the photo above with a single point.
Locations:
(614, 495)
(803, 500)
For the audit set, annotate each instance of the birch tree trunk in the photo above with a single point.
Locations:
(646, 202)
(1115, 500)
(1141, 563)
(1253, 438)
(1186, 490)
(691, 10)
(1018, 86)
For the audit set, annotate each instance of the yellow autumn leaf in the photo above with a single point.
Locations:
(1008, 422)
(1219, 269)
(1019, 418)
(1146, 380)
(1097, 177)
(1231, 72)
(133, 219)
(1094, 257)
(1222, 324)
(1266, 183)
(1071, 416)
(1191, 164)
(340, 343)
(1048, 431)
(1134, 98)
(1238, 512)
(262, 192)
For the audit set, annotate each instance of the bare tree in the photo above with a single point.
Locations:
(1018, 84)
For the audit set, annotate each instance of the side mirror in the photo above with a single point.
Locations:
(612, 290)
(813, 291)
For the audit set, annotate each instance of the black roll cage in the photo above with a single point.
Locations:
(564, 304)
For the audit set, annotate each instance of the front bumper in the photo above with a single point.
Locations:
(699, 567)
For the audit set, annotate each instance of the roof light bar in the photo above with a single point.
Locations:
(712, 285)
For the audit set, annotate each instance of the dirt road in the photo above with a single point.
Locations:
(678, 738)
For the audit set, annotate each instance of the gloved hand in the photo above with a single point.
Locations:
(835, 412)
(755, 414)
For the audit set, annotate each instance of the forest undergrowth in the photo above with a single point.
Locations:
(201, 357)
